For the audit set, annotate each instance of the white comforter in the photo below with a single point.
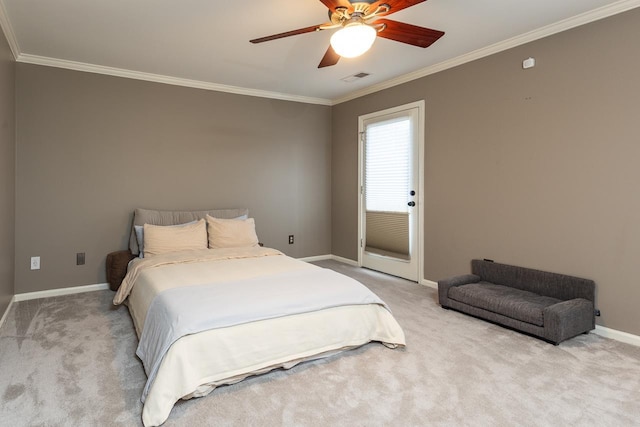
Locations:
(197, 363)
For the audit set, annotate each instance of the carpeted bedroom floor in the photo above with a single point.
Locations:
(70, 361)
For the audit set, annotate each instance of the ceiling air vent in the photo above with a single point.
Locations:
(354, 77)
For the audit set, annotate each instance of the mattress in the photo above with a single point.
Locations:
(197, 363)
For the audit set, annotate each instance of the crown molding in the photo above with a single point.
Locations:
(558, 27)
(566, 24)
(158, 78)
(8, 31)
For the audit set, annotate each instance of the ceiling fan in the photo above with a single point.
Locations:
(359, 22)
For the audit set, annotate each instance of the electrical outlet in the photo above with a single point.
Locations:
(35, 263)
(291, 239)
(80, 258)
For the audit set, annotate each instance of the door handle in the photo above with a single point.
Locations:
(412, 204)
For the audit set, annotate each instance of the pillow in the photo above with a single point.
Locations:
(139, 229)
(231, 233)
(156, 217)
(160, 239)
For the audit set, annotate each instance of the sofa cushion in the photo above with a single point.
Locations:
(540, 282)
(514, 303)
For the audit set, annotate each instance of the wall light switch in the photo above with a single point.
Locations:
(35, 263)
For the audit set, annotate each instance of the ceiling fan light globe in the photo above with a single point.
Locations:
(353, 40)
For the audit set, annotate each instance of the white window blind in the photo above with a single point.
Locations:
(387, 170)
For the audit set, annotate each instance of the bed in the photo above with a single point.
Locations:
(228, 308)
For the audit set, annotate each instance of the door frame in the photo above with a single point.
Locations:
(420, 105)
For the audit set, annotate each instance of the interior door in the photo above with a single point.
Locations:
(390, 170)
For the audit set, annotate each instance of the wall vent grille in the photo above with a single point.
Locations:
(355, 77)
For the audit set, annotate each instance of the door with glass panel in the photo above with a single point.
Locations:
(389, 199)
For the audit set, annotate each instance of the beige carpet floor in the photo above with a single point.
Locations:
(70, 361)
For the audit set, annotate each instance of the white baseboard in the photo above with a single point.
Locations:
(63, 291)
(315, 258)
(600, 330)
(6, 312)
(331, 257)
(345, 260)
(617, 335)
(429, 283)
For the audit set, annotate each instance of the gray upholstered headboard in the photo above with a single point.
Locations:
(155, 217)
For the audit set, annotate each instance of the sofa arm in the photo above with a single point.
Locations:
(567, 319)
(117, 267)
(444, 285)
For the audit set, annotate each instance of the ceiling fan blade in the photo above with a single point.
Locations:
(289, 33)
(407, 33)
(330, 58)
(395, 5)
(333, 4)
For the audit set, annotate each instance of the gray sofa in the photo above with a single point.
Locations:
(550, 306)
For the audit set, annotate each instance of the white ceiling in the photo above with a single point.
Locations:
(205, 43)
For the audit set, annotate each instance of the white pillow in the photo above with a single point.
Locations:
(160, 239)
(139, 229)
(231, 233)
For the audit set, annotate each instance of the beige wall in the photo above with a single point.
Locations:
(7, 173)
(534, 167)
(91, 148)
(531, 167)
